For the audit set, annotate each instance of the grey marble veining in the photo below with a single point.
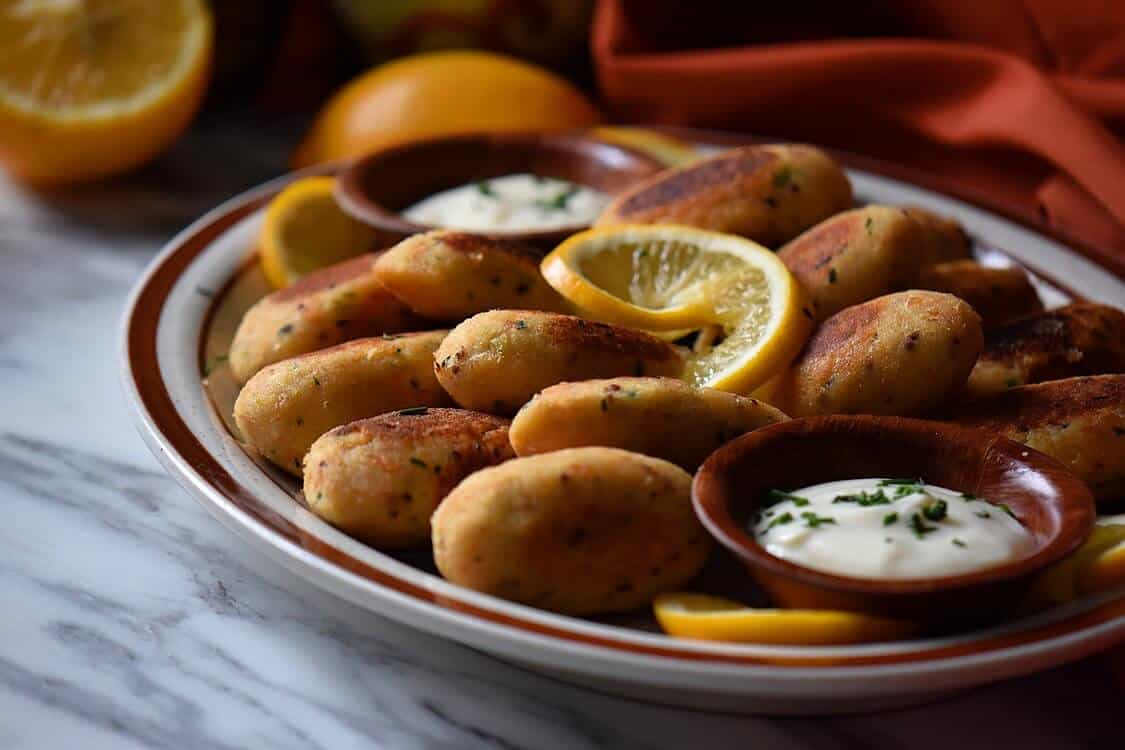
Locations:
(131, 619)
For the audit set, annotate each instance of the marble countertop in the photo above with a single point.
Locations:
(129, 618)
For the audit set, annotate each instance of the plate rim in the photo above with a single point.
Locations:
(214, 223)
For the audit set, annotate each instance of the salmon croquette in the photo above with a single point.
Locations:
(580, 531)
(339, 303)
(380, 479)
(496, 361)
(660, 417)
(768, 193)
(450, 275)
(288, 405)
(901, 355)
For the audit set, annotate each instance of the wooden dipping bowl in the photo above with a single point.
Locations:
(376, 187)
(1054, 505)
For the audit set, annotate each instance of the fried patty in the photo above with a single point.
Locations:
(1084, 338)
(1078, 421)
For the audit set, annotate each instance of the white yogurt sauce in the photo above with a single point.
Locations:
(512, 203)
(890, 529)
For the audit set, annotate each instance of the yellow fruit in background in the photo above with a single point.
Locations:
(441, 93)
(541, 30)
(304, 230)
(90, 88)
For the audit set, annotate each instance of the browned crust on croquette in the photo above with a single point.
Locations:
(1054, 403)
(588, 336)
(326, 278)
(819, 246)
(718, 171)
(842, 327)
(425, 422)
(466, 242)
(355, 344)
(1082, 338)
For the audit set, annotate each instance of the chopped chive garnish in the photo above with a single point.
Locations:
(831, 275)
(782, 519)
(781, 177)
(959, 543)
(484, 187)
(864, 499)
(1006, 509)
(983, 514)
(902, 480)
(777, 496)
(935, 511)
(968, 496)
(418, 462)
(413, 411)
(890, 518)
(919, 527)
(813, 520)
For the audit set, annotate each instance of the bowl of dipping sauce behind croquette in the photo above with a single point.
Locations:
(905, 540)
(537, 187)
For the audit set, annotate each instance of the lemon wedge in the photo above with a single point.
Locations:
(305, 230)
(1099, 563)
(668, 149)
(711, 618)
(662, 277)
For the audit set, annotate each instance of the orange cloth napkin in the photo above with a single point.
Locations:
(1022, 101)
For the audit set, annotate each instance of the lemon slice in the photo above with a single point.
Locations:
(304, 230)
(711, 618)
(664, 277)
(92, 87)
(1099, 563)
(668, 149)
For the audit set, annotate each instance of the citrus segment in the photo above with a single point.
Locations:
(712, 618)
(304, 230)
(671, 278)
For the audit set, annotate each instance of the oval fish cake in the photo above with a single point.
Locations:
(660, 417)
(856, 256)
(1079, 422)
(947, 240)
(580, 531)
(900, 354)
(450, 275)
(380, 479)
(999, 295)
(769, 193)
(344, 301)
(496, 361)
(1083, 338)
(288, 405)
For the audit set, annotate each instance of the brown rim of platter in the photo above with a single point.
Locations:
(140, 342)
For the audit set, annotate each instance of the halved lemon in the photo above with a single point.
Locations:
(711, 618)
(90, 88)
(305, 230)
(665, 277)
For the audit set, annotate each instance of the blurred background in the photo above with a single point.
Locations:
(1019, 102)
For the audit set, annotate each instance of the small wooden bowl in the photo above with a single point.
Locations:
(376, 187)
(1053, 504)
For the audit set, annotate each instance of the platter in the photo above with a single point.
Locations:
(181, 320)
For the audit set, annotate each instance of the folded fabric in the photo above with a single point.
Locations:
(1015, 100)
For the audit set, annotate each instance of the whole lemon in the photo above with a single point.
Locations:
(441, 93)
